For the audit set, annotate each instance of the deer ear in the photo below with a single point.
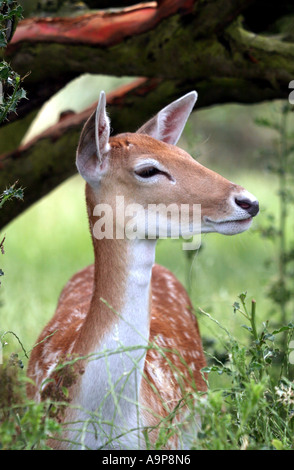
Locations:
(169, 123)
(93, 144)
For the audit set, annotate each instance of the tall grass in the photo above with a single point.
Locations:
(253, 409)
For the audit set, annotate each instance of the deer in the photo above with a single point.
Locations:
(125, 327)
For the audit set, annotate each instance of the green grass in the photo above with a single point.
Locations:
(43, 248)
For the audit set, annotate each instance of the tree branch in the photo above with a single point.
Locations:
(170, 39)
(49, 159)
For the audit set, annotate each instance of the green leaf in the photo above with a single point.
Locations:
(290, 326)
(278, 444)
(236, 306)
(247, 328)
(219, 370)
(65, 391)
(256, 365)
(243, 296)
(265, 122)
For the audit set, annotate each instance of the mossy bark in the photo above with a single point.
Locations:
(201, 42)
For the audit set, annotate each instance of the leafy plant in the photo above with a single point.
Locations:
(13, 192)
(256, 410)
(11, 91)
(24, 424)
(280, 162)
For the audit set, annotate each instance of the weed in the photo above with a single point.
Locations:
(24, 424)
(11, 91)
(256, 410)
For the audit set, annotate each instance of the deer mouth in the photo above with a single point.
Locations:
(228, 227)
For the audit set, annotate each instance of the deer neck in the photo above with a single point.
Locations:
(115, 334)
(120, 307)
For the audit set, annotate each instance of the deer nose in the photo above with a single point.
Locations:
(252, 207)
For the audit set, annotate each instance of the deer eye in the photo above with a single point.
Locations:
(148, 172)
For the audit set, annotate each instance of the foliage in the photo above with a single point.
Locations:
(12, 192)
(255, 411)
(10, 12)
(11, 91)
(280, 162)
(24, 424)
(254, 407)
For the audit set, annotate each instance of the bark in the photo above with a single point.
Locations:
(176, 39)
(184, 40)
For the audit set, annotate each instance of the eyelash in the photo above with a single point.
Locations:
(148, 172)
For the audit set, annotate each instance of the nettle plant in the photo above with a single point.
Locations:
(254, 408)
(13, 192)
(11, 91)
(280, 162)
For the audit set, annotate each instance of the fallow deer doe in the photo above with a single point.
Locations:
(125, 326)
